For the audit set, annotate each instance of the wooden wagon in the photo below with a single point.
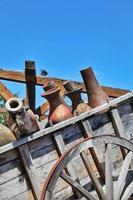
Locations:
(86, 157)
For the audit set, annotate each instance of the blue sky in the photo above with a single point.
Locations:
(65, 36)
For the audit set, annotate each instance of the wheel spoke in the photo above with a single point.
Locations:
(108, 172)
(77, 186)
(93, 177)
(128, 192)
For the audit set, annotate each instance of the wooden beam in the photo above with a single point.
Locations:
(42, 109)
(20, 77)
(30, 170)
(30, 77)
(4, 92)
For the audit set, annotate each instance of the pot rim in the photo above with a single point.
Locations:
(51, 91)
(13, 109)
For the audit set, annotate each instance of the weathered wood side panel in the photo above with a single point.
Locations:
(8, 157)
(14, 187)
(12, 179)
(43, 151)
(10, 171)
(24, 196)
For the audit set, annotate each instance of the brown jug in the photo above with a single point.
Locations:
(78, 105)
(21, 119)
(96, 95)
(58, 109)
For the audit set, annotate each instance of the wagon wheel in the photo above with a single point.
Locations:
(109, 192)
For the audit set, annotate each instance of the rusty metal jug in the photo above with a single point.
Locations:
(21, 119)
(96, 95)
(58, 109)
(74, 93)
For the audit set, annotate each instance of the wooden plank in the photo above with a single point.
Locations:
(44, 156)
(108, 172)
(77, 186)
(13, 188)
(5, 92)
(43, 170)
(117, 124)
(41, 143)
(30, 77)
(118, 127)
(30, 170)
(19, 77)
(65, 123)
(63, 194)
(24, 196)
(10, 171)
(127, 121)
(8, 156)
(93, 177)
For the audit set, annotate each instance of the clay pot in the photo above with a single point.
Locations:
(78, 105)
(21, 119)
(58, 109)
(96, 95)
(6, 136)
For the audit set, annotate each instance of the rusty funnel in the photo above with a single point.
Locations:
(96, 95)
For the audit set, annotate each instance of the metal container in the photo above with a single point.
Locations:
(96, 95)
(21, 119)
(58, 109)
(78, 105)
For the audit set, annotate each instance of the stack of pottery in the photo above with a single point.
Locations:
(96, 95)
(74, 93)
(59, 110)
(21, 119)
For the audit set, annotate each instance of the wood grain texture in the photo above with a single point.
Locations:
(12, 188)
(30, 77)
(29, 170)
